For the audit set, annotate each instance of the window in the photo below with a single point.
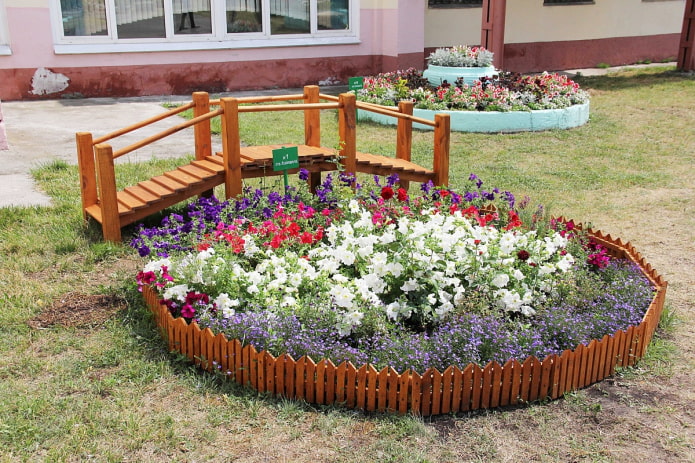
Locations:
(454, 3)
(4, 35)
(568, 2)
(162, 24)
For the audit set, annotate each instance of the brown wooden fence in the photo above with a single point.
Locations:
(432, 393)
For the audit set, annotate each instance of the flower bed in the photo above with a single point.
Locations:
(504, 103)
(421, 285)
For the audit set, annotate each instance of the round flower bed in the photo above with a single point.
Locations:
(505, 102)
(440, 282)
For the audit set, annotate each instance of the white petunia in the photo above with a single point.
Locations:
(342, 296)
(177, 292)
(501, 280)
(410, 285)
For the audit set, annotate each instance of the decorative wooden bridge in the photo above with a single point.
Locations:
(115, 209)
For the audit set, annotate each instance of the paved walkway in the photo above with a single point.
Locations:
(40, 132)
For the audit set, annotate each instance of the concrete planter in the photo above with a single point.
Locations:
(496, 121)
(438, 74)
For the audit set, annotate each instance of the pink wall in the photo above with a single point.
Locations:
(180, 72)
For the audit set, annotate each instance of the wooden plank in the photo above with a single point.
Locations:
(486, 385)
(496, 386)
(206, 340)
(280, 375)
(290, 373)
(108, 200)
(182, 177)
(340, 375)
(87, 170)
(426, 392)
(260, 371)
(207, 165)
(383, 393)
(251, 366)
(142, 194)
(156, 189)
(534, 390)
(577, 372)
(321, 383)
(447, 383)
(570, 362)
(196, 172)
(629, 342)
(467, 389)
(245, 361)
(371, 388)
(600, 360)
(269, 362)
(558, 366)
(238, 362)
(477, 387)
(310, 380)
(129, 201)
(506, 383)
(191, 352)
(299, 378)
(331, 379)
(609, 368)
(546, 370)
(393, 385)
(638, 347)
(589, 354)
(169, 183)
(350, 382)
(415, 388)
(361, 392)
(371, 159)
(406, 391)
(436, 392)
(515, 391)
(526, 375)
(457, 388)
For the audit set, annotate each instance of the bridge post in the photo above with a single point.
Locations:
(87, 168)
(404, 136)
(231, 148)
(347, 126)
(110, 218)
(312, 129)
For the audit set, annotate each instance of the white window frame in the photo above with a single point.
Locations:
(218, 40)
(4, 31)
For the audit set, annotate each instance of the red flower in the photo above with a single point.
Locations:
(514, 221)
(523, 255)
(402, 194)
(387, 192)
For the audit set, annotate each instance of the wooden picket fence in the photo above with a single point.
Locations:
(434, 392)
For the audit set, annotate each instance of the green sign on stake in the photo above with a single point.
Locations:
(355, 83)
(284, 159)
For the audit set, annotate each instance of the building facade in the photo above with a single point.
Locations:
(87, 48)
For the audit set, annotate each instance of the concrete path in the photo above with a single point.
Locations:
(40, 132)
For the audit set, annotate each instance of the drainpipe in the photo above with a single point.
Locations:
(492, 30)
(686, 48)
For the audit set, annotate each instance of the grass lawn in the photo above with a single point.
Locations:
(84, 376)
